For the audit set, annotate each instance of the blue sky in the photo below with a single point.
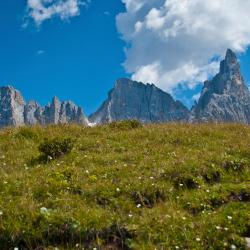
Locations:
(78, 58)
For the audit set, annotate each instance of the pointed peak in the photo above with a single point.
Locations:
(8, 87)
(55, 99)
(122, 81)
(230, 64)
(230, 56)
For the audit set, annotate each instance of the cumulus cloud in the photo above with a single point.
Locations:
(41, 10)
(172, 42)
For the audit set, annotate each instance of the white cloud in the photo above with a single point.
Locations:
(174, 41)
(41, 10)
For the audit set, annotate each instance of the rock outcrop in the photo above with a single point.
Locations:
(225, 98)
(11, 107)
(15, 112)
(144, 102)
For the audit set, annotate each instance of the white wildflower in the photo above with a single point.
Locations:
(230, 217)
(138, 205)
(43, 210)
(181, 185)
(218, 227)
(130, 215)
(233, 247)
(1, 212)
(118, 190)
(198, 239)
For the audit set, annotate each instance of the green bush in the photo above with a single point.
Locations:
(211, 175)
(26, 133)
(126, 124)
(235, 165)
(56, 147)
(185, 181)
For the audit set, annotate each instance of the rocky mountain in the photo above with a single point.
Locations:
(11, 107)
(14, 111)
(225, 98)
(145, 102)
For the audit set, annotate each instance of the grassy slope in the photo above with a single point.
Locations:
(156, 187)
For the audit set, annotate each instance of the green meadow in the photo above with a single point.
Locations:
(125, 186)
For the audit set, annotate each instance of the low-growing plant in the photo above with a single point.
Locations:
(211, 175)
(235, 165)
(26, 133)
(54, 148)
(126, 124)
(185, 181)
(148, 198)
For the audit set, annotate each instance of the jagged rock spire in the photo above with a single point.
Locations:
(15, 112)
(11, 107)
(225, 98)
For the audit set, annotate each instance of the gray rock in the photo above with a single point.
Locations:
(11, 107)
(144, 102)
(225, 98)
(64, 113)
(33, 113)
(14, 111)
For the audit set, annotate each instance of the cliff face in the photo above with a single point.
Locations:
(225, 98)
(15, 112)
(11, 107)
(134, 100)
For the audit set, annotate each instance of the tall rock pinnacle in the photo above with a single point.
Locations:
(11, 107)
(15, 112)
(225, 98)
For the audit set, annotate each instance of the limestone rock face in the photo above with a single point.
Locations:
(11, 107)
(225, 98)
(15, 112)
(144, 102)
(65, 112)
(33, 113)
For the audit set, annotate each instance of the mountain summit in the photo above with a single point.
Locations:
(225, 98)
(145, 102)
(15, 112)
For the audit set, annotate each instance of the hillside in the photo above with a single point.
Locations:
(125, 186)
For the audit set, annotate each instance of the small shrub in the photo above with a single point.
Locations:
(148, 198)
(235, 165)
(26, 133)
(113, 237)
(211, 175)
(243, 195)
(185, 181)
(56, 147)
(126, 124)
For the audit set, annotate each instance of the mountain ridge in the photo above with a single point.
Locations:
(225, 98)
